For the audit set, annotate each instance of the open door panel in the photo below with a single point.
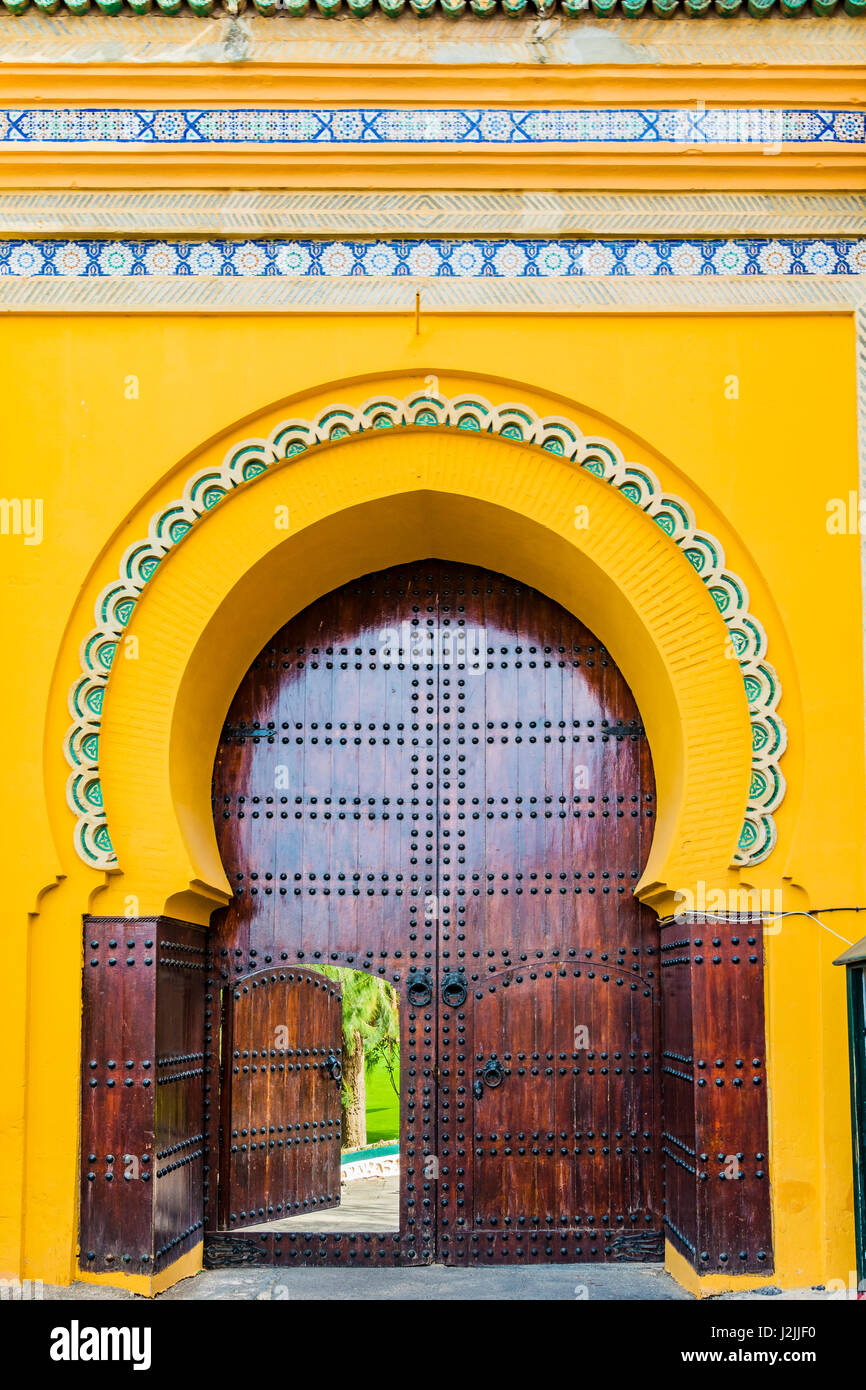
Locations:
(280, 1099)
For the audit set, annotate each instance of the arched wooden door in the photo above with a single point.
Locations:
(439, 775)
(281, 1063)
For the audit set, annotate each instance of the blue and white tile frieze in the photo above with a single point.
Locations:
(360, 126)
(470, 258)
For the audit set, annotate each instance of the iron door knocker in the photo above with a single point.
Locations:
(493, 1072)
(418, 989)
(453, 989)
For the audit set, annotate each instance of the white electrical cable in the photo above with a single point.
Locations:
(728, 919)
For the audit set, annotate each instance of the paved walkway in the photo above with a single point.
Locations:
(513, 1283)
(368, 1204)
(564, 1283)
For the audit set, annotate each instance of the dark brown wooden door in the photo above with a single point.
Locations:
(467, 816)
(562, 1158)
(280, 1099)
(142, 1100)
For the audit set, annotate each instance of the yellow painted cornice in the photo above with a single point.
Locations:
(567, 167)
(761, 83)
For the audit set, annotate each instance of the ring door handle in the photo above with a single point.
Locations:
(419, 991)
(453, 989)
(335, 1066)
(492, 1074)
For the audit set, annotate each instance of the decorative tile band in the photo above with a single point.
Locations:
(436, 126)
(434, 258)
(249, 459)
(370, 1167)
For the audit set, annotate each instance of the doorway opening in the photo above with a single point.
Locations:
(364, 1068)
(436, 777)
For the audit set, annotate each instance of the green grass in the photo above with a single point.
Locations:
(383, 1106)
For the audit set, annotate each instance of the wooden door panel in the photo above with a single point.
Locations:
(715, 1138)
(179, 1104)
(143, 1098)
(557, 800)
(564, 1143)
(280, 1098)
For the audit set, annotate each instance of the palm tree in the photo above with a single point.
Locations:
(371, 1033)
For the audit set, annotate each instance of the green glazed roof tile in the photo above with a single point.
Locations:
(601, 9)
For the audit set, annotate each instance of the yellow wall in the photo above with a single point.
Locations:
(758, 471)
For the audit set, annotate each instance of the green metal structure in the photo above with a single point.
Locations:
(854, 960)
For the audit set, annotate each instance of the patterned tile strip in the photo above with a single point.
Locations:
(434, 258)
(364, 126)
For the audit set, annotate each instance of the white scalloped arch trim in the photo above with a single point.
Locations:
(557, 435)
